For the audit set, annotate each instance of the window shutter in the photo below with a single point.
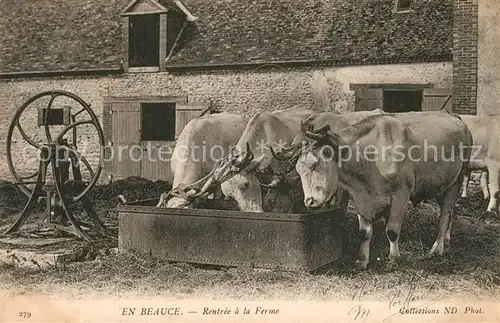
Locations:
(435, 99)
(368, 99)
(186, 112)
(126, 136)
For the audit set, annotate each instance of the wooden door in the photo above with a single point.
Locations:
(435, 99)
(368, 99)
(186, 112)
(125, 139)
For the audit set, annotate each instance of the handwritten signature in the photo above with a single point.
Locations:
(401, 301)
(397, 298)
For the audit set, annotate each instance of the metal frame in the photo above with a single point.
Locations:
(57, 194)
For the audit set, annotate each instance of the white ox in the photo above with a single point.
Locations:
(238, 175)
(278, 128)
(202, 142)
(485, 156)
(384, 183)
(319, 120)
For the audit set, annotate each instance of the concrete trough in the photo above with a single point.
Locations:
(297, 242)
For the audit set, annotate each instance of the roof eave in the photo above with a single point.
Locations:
(125, 12)
(314, 62)
(56, 73)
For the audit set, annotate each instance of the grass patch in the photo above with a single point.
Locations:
(470, 267)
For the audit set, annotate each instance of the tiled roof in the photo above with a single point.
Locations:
(339, 30)
(49, 35)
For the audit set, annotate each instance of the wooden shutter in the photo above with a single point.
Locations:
(435, 98)
(156, 162)
(368, 99)
(186, 112)
(125, 139)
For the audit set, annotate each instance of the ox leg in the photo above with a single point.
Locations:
(465, 183)
(484, 184)
(447, 205)
(447, 234)
(394, 223)
(366, 230)
(494, 173)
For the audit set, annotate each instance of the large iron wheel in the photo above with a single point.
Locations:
(22, 181)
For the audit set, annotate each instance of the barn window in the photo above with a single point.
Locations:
(401, 97)
(403, 5)
(158, 121)
(141, 132)
(144, 40)
(402, 100)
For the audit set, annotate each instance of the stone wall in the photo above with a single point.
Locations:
(488, 88)
(244, 92)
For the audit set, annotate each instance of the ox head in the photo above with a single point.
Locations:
(234, 175)
(317, 165)
(183, 196)
(239, 176)
(246, 186)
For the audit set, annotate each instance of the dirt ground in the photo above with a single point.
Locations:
(471, 268)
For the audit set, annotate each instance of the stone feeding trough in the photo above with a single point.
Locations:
(296, 242)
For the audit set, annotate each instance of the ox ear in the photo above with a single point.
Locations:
(339, 145)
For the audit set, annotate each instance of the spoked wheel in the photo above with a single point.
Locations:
(57, 153)
(24, 181)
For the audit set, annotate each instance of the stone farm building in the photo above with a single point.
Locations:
(147, 67)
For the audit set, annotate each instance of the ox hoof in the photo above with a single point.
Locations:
(491, 212)
(361, 264)
(437, 249)
(391, 264)
(394, 258)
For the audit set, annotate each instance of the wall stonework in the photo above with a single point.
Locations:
(243, 92)
(465, 31)
(488, 87)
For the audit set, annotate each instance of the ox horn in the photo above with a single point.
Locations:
(284, 154)
(317, 135)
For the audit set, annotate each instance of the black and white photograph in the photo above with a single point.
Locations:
(250, 161)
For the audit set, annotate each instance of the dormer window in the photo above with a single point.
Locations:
(403, 5)
(146, 44)
(144, 41)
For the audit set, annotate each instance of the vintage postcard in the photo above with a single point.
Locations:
(249, 161)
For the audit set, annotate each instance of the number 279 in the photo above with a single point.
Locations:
(25, 315)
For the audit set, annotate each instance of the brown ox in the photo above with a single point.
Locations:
(384, 162)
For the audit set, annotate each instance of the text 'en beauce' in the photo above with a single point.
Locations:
(151, 311)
